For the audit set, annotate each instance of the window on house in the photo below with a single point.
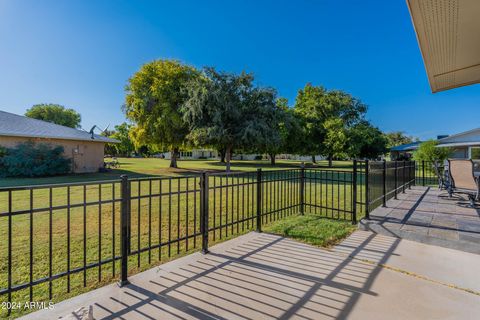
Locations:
(475, 151)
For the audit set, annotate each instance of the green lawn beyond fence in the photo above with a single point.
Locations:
(64, 239)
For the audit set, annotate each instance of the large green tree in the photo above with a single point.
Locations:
(55, 113)
(335, 142)
(326, 116)
(227, 111)
(154, 96)
(366, 141)
(285, 135)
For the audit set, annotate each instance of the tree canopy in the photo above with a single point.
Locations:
(154, 97)
(227, 111)
(287, 128)
(366, 141)
(172, 105)
(55, 113)
(326, 116)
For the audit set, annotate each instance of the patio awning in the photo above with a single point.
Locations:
(448, 33)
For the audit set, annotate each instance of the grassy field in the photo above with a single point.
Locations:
(171, 215)
(142, 167)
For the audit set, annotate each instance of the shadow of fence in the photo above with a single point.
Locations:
(267, 277)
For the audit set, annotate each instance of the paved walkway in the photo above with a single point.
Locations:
(261, 276)
(428, 215)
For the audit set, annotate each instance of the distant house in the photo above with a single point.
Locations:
(86, 150)
(464, 145)
(193, 154)
(404, 151)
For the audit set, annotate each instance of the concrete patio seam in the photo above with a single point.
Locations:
(409, 273)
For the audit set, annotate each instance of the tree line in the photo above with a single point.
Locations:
(170, 105)
(173, 105)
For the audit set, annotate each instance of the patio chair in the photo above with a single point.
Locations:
(462, 179)
(443, 181)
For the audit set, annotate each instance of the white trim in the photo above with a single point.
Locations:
(459, 144)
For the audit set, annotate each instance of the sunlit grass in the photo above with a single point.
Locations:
(312, 229)
(141, 167)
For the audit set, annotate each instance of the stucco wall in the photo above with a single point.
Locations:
(87, 156)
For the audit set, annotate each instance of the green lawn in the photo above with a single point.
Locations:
(312, 229)
(141, 167)
(154, 219)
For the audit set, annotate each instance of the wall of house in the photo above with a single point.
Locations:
(86, 156)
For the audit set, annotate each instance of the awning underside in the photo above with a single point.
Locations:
(448, 32)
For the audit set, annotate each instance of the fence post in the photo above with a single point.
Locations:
(302, 189)
(259, 200)
(410, 174)
(204, 211)
(414, 173)
(367, 192)
(384, 183)
(396, 179)
(354, 190)
(423, 173)
(124, 232)
(403, 176)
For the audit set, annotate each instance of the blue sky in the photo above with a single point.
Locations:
(81, 53)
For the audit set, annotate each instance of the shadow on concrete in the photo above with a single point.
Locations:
(267, 277)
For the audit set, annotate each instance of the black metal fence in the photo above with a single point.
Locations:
(385, 179)
(63, 239)
(425, 174)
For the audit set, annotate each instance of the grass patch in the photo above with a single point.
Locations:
(312, 229)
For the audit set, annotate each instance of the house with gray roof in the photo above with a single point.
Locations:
(85, 149)
(464, 145)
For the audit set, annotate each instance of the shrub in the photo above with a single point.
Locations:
(3, 153)
(30, 160)
(428, 151)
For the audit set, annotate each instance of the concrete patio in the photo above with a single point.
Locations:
(262, 276)
(428, 215)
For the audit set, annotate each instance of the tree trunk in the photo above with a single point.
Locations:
(330, 162)
(173, 158)
(229, 157)
(313, 159)
(272, 159)
(222, 155)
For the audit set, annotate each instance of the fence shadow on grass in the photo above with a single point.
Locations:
(266, 277)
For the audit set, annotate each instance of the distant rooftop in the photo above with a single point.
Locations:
(14, 125)
(406, 147)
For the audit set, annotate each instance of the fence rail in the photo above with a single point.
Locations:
(67, 237)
